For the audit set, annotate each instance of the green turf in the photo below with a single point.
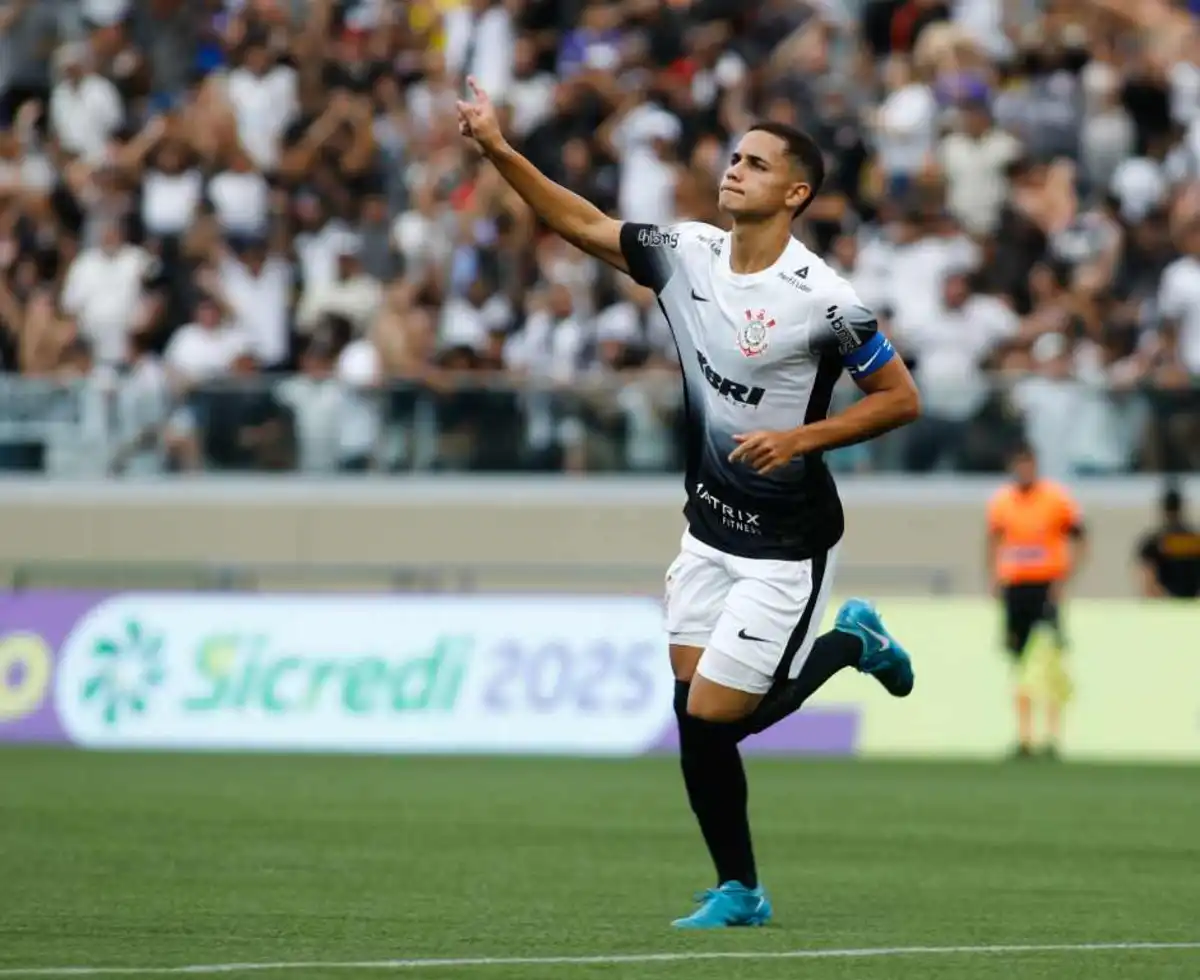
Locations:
(160, 860)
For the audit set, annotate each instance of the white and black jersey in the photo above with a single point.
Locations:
(759, 351)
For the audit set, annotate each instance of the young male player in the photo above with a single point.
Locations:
(764, 329)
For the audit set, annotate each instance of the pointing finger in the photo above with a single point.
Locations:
(475, 89)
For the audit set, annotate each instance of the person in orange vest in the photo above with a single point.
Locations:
(1036, 541)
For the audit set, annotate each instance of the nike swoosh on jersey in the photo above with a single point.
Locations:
(698, 298)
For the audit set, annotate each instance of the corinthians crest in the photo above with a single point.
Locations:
(752, 335)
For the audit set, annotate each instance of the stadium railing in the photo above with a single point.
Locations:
(113, 424)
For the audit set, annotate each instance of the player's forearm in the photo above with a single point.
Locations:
(871, 416)
(563, 211)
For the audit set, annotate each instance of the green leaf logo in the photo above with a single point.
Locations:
(128, 667)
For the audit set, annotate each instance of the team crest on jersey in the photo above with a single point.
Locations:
(752, 335)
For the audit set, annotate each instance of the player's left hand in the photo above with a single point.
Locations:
(765, 451)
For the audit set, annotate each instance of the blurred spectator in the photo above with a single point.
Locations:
(951, 353)
(1169, 556)
(85, 108)
(975, 158)
(107, 289)
(255, 283)
(351, 293)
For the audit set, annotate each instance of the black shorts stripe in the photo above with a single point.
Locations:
(820, 562)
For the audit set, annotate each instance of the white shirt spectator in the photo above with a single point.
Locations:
(169, 201)
(240, 200)
(1070, 421)
(427, 104)
(918, 272)
(421, 240)
(647, 184)
(357, 298)
(31, 173)
(532, 101)
(85, 116)
(907, 129)
(317, 252)
(104, 291)
(264, 106)
(871, 274)
(198, 353)
(548, 348)
(487, 40)
(1179, 299)
(983, 21)
(1140, 185)
(461, 325)
(975, 173)
(950, 348)
(359, 372)
(316, 404)
(260, 304)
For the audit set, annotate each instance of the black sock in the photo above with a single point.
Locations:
(716, 788)
(830, 653)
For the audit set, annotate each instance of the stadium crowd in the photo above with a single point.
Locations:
(245, 234)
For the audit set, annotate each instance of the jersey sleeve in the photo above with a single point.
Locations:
(849, 329)
(652, 252)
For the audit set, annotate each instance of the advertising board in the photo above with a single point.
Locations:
(542, 674)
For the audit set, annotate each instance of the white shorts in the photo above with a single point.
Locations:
(755, 618)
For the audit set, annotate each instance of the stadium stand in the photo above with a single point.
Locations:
(246, 235)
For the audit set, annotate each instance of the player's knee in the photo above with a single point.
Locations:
(704, 704)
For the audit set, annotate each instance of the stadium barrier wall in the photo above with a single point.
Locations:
(912, 528)
(565, 675)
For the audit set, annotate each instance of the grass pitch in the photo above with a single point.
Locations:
(165, 861)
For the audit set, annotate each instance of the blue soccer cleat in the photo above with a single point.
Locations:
(882, 656)
(733, 904)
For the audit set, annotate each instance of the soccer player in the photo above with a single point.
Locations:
(1036, 540)
(764, 329)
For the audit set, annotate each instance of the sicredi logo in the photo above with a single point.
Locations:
(367, 673)
(235, 672)
(126, 669)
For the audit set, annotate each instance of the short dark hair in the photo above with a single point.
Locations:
(804, 150)
(1021, 450)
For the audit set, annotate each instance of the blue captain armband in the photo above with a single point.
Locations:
(864, 361)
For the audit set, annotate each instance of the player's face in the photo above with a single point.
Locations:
(761, 179)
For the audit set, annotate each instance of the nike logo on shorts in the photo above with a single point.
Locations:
(743, 635)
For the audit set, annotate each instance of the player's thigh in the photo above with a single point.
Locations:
(696, 588)
(772, 616)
